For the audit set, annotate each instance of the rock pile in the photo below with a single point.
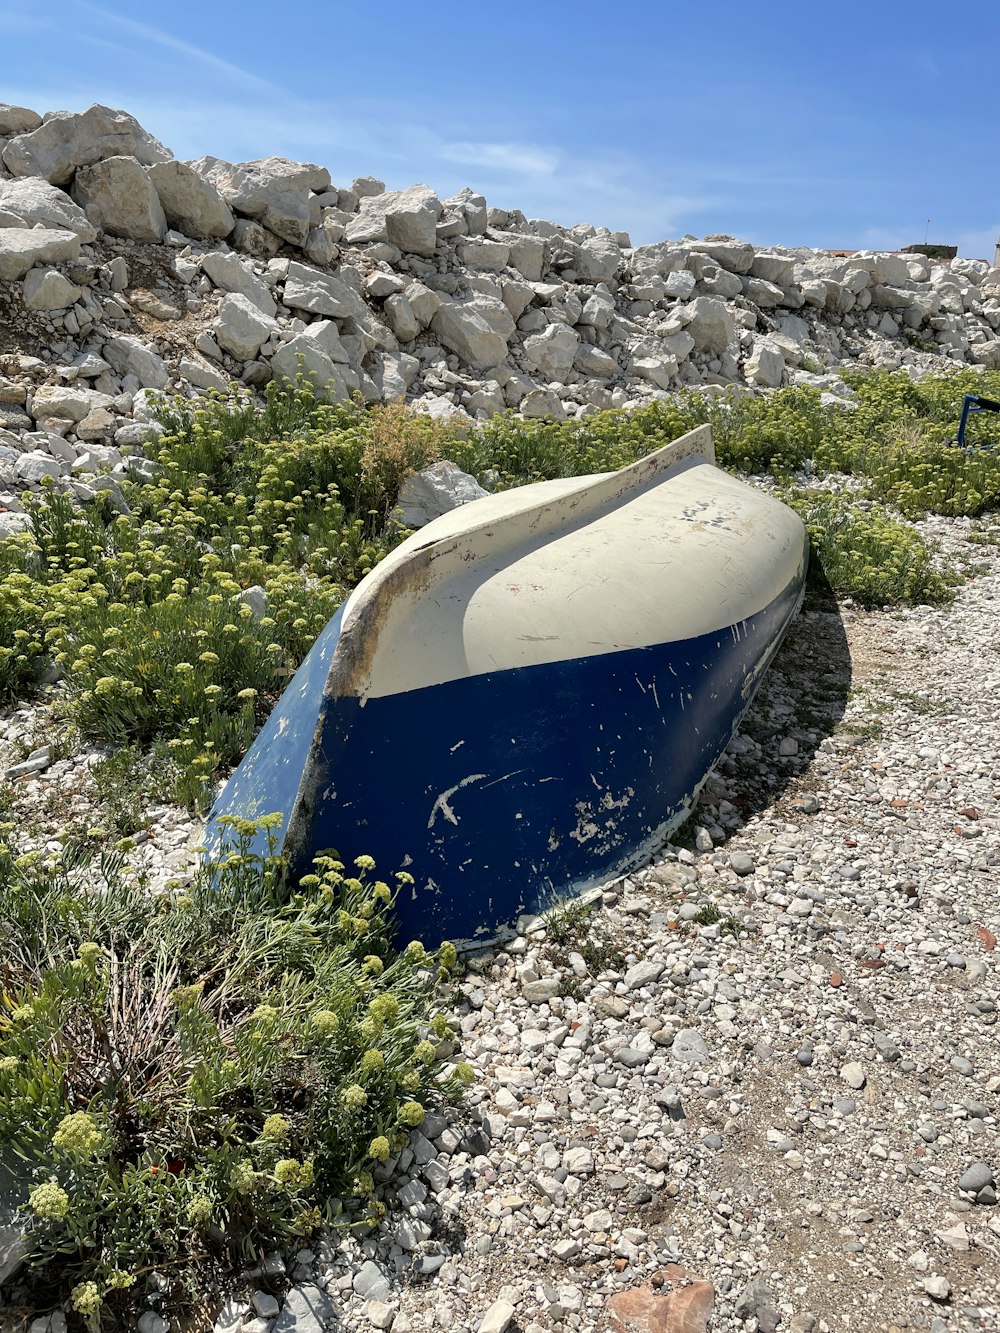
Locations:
(124, 271)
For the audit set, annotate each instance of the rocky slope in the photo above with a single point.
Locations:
(124, 271)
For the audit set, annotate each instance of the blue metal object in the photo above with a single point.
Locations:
(972, 404)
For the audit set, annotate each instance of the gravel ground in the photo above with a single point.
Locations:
(772, 1057)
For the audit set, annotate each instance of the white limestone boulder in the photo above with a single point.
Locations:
(191, 203)
(483, 256)
(129, 355)
(710, 324)
(762, 293)
(599, 309)
(66, 402)
(553, 351)
(471, 207)
(401, 317)
(118, 197)
(228, 271)
(679, 284)
(779, 269)
(656, 370)
(197, 371)
(424, 302)
(326, 335)
(528, 254)
(598, 259)
(241, 328)
(436, 490)
(36, 464)
(66, 140)
(411, 219)
(274, 190)
(17, 120)
(47, 289)
(31, 202)
(321, 293)
(538, 404)
(302, 355)
(404, 218)
(765, 366)
(21, 248)
(731, 254)
(465, 327)
(595, 363)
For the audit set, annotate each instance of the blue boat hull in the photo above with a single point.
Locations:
(504, 792)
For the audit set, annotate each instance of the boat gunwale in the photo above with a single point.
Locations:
(419, 569)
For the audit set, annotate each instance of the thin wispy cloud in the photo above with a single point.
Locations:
(524, 159)
(169, 42)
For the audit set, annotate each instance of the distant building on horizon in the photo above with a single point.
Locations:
(929, 251)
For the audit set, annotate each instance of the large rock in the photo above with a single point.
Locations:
(657, 370)
(241, 327)
(472, 208)
(17, 120)
(465, 328)
(405, 218)
(321, 293)
(736, 256)
(130, 356)
(302, 355)
(47, 289)
(118, 196)
(191, 203)
(424, 302)
(598, 259)
(496, 314)
(778, 269)
(230, 273)
(273, 189)
(710, 324)
(599, 310)
(553, 351)
(435, 491)
(528, 254)
(401, 317)
(767, 295)
(23, 247)
(66, 140)
(765, 365)
(30, 202)
(683, 1304)
(308, 1309)
(591, 361)
(483, 256)
(66, 403)
(325, 334)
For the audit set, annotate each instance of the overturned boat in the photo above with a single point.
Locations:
(522, 700)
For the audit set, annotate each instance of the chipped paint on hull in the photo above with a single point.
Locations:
(396, 759)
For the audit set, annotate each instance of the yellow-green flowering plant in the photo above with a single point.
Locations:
(219, 1075)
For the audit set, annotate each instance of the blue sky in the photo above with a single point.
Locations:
(843, 125)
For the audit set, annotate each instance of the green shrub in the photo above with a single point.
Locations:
(862, 553)
(208, 1073)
